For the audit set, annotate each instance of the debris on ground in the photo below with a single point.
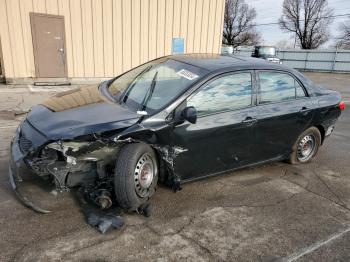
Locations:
(102, 219)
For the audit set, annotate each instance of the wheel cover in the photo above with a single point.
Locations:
(143, 175)
(306, 148)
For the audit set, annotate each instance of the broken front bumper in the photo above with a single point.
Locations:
(16, 164)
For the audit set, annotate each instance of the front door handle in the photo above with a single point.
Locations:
(304, 110)
(249, 120)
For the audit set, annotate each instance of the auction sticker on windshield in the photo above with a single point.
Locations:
(187, 74)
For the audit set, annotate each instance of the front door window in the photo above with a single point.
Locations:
(225, 93)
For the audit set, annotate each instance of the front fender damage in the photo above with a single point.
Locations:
(88, 164)
(160, 139)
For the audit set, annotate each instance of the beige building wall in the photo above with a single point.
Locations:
(107, 37)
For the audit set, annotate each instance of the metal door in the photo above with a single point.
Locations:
(49, 45)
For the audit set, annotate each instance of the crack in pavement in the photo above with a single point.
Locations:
(19, 251)
(317, 194)
(262, 205)
(203, 248)
(94, 244)
(330, 189)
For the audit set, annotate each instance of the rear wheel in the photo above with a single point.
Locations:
(136, 175)
(306, 146)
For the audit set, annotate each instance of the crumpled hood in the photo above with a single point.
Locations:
(79, 112)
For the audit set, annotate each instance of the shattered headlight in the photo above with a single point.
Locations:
(68, 149)
(75, 151)
(65, 147)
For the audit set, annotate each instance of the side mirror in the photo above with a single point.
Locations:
(190, 114)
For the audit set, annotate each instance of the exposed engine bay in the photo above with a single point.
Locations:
(88, 165)
(79, 164)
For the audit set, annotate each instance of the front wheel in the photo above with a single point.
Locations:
(136, 175)
(306, 146)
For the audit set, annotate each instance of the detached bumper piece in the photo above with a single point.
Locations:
(16, 160)
(14, 181)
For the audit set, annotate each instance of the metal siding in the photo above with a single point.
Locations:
(107, 37)
(211, 25)
(77, 38)
(160, 27)
(16, 37)
(127, 31)
(52, 7)
(136, 32)
(176, 17)
(88, 41)
(184, 22)
(97, 38)
(25, 8)
(117, 37)
(168, 34)
(7, 59)
(190, 26)
(204, 26)
(198, 27)
(218, 27)
(39, 6)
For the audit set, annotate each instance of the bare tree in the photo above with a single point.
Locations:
(344, 38)
(284, 44)
(239, 24)
(308, 19)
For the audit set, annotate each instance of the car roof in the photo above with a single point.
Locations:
(214, 62)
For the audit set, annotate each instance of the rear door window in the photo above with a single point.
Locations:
(277, 86)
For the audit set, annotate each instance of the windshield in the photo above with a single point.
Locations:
(152, 86)
(267, 51)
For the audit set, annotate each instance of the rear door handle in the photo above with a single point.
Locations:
(249, 120)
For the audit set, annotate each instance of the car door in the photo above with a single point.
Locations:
(284, 111)
(222, 137)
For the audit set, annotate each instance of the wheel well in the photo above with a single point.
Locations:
(163, 175)
(322, 131)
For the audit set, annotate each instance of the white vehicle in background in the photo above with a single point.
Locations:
(266, 52)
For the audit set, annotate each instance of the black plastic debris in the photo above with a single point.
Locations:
(107, 219)
(103, 222)
(145, 209)
(102, 219)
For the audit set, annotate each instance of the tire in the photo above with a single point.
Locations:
(131, 189)
(300, 151)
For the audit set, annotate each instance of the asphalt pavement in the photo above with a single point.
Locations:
(274, 212)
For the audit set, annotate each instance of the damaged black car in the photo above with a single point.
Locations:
(172, 120)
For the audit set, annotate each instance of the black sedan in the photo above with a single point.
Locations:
(172, 120)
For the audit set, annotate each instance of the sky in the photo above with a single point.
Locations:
(269, 11)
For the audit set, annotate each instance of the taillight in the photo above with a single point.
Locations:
(342, 105)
